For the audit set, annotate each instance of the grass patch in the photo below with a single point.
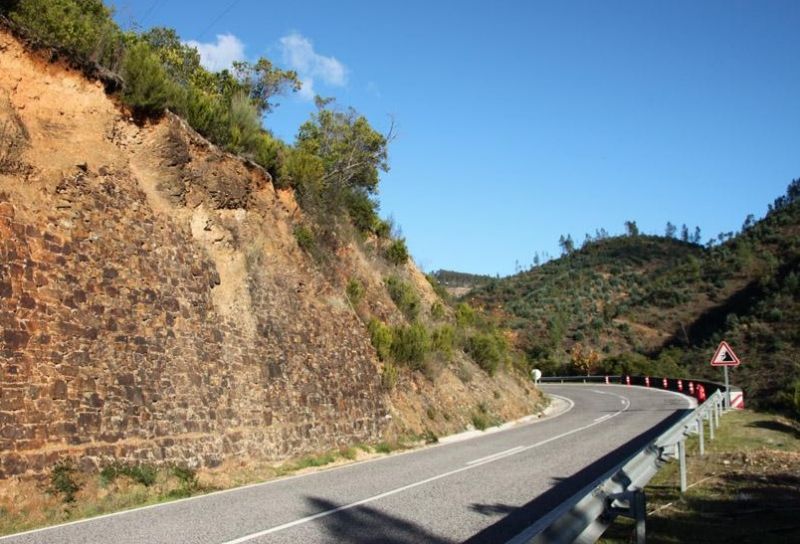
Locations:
(383, 447)
(745, 489)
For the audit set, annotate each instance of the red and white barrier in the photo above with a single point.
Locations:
(680, 385)
(665, 383)
(607, 382)
(627, 380)
(647, 381)
(737, 400)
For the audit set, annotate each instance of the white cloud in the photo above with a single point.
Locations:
(220, 55)
(307, 88)
(373, 89)
(299, 55)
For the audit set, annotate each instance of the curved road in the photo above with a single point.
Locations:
(486, 489)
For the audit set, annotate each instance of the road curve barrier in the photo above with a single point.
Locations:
(694, 388)
(620, 491)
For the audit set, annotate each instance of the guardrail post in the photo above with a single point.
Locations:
(701, 433)
(710, 417)
(718, 409)
(639, 508)
(682, 462)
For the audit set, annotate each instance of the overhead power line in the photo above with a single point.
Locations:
(218, 17)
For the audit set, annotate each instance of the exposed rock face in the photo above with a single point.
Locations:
(153, 303)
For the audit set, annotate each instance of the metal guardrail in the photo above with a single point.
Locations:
(680, 385)
(620, 491)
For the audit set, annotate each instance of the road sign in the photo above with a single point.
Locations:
(724, 356)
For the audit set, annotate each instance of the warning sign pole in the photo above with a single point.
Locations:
(727, 389)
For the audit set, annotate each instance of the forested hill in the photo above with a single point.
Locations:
(661, 304)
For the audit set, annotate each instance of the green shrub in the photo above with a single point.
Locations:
(62, 480)
(388, 376)
(465, 315)
(203, 111)
(187, 478)
(361, 210)
(410, 345)
(270, 153)
(480, 421)
(437, 311)
(381, 337)
(349, 453)
(442, 340)
(304, 237)
(139, 473)
(314, 461)
(397, 252)
(147, 89)
(488, 350)
(305, 172)
(355, 291)
(84, 27)
(383, 228)
(404, 297)
(244, 126)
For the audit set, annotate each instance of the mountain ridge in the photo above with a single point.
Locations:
(668, 302)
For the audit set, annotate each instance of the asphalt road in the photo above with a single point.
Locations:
(485, 489)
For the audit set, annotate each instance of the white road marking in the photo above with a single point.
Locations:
(478, 463)
(495, 455)
(271, 482)
(605, 417)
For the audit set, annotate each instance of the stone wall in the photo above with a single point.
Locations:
(112, 343)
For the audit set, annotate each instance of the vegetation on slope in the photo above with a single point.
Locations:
(660, 304)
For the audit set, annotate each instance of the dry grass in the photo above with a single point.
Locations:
(13, 139)
(31, 503)
(745, 489)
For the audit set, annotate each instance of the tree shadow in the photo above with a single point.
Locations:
(366, 525)
(520, 518)
(492, 509)
(779, 426)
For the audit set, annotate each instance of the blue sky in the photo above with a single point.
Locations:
(519, 121)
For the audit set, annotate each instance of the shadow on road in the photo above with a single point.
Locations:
(366, 525)
(519, 518)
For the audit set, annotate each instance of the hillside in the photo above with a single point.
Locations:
(660, 305)
(165, 300)
(458, 284)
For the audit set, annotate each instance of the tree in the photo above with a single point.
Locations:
(262, 81)
(696, 237)
(685, 233)
(181, 61)
(670, 230)
(631, 229)
(352, 152)
(584, 361)
(566, 244)
(346, 155)
(147, 88)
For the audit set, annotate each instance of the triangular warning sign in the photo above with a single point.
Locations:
(724, 356)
